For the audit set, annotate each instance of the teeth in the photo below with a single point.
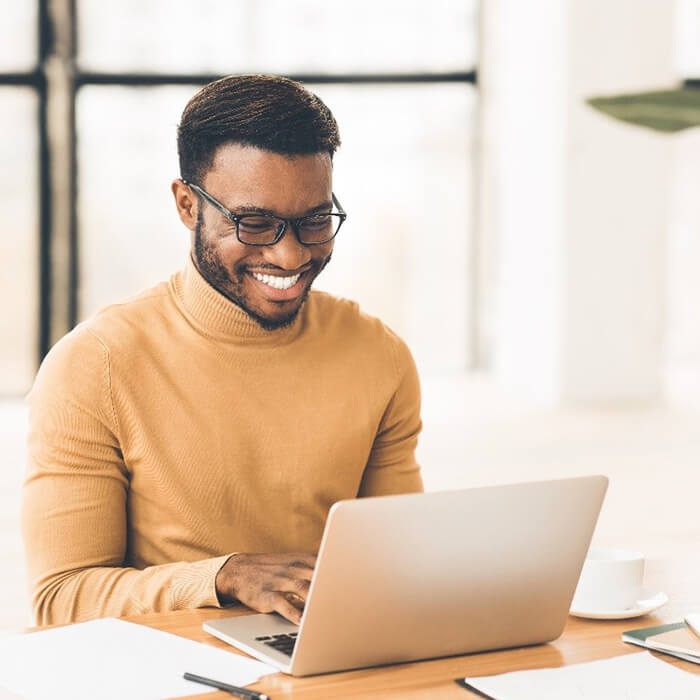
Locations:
(277, 282)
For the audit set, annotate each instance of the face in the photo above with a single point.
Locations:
(270, 283)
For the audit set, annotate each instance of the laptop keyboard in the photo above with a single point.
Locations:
(281, 642)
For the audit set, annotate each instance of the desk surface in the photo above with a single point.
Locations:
(674, 570)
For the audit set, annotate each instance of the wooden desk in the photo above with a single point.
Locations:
(674, 571)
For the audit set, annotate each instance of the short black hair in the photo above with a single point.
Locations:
(269, 112)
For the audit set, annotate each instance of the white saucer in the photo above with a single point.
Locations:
(648, 603)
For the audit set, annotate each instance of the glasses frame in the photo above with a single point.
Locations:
(292, 223)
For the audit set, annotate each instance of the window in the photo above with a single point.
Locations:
(401, 86)
(20, 96)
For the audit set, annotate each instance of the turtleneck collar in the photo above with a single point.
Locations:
(218, 317)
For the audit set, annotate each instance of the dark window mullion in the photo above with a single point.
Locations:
(58, 229)
(153, 79)
(74, 271)
(45, 40)
(31, 79)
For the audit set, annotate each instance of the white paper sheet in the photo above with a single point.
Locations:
(113, 660)
(637, 676)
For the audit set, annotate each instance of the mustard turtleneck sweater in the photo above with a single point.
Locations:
(170, 431)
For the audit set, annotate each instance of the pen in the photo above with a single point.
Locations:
(233, 689)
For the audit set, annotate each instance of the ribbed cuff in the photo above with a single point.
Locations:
(195, 585)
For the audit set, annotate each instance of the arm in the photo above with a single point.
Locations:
(74, 515)
(392, 466)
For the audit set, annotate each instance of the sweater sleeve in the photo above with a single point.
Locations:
(392, 466)
(74, 514)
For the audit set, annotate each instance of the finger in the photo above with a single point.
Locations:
(297, 601)
(287, 610)
(300, 572)
(303, 560)
(299, 587)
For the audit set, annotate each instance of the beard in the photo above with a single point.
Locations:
(231, 283)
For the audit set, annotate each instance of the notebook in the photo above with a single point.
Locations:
(675, 639)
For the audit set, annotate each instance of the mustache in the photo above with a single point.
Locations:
(315, 266)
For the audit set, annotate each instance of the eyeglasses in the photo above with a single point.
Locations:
(266, 229)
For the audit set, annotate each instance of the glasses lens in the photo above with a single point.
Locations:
(319, 228)
(258, 230)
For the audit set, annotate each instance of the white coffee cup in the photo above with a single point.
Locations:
(611, 579)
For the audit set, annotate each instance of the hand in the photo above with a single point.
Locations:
(267, 582)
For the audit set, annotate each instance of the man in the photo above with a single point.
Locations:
(185, 446)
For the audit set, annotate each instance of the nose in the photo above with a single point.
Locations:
(288, 253)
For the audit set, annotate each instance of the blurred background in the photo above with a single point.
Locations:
(539, 258)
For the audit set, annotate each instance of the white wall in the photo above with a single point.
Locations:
(683, 342)
(523, 81)
(577, 202)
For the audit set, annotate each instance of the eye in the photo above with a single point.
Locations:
(257, 224)
(316, 222)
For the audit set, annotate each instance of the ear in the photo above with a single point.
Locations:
(186, 203)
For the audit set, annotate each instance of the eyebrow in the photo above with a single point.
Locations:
(252, 209)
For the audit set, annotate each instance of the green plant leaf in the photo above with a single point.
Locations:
(660, 110)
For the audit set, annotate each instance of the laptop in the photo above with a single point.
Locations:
(419, 576)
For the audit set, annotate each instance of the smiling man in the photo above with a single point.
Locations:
(186, 445)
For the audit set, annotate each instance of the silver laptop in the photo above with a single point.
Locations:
(418, 576)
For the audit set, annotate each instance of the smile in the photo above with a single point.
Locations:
(277, 282)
